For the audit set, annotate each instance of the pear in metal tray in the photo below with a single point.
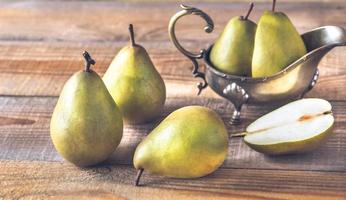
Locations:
(291, 83)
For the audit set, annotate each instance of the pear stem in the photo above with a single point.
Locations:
(139, 174)
(249, 11)
(88, 61)
(273, 5)
(239, 134)
(132, 35)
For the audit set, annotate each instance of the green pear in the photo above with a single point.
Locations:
(86, 125)
(297, 127)
(191, 142)
(277, 44)
(134, 84)
(232, 51)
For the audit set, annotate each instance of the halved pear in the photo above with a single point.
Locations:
(297, 127)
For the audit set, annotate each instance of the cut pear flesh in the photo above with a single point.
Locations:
(298, 131)
(299, 126)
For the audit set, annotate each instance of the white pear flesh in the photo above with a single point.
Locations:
(297, 127)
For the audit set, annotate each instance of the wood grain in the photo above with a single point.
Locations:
(40, 48)
(107, 21)
(24, 135)
(41, 69)
(42, 180)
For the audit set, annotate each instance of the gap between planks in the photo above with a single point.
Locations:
(24, 135)
(29, 178)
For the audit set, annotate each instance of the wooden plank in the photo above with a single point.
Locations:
(106, 21)
(42, 180)
(37, 58)
(24, 135)
(41, 69)
(234, 1)
(36, 68)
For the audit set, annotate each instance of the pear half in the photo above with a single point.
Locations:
(297, 127)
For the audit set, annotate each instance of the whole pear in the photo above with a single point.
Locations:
(191, 142)
(277, 44)
(134, 84)
(86, 126)
(232, 51)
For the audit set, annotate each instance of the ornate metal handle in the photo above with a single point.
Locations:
(187, 10)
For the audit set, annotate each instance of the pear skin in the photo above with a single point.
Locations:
(232, 51)
(191, 142)
(135, 84)
(86, 125)
(277, 44)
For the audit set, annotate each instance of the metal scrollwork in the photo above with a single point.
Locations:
(235, 90)
(239, 96)
(187, 10)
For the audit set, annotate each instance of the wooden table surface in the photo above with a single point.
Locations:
(40, 48)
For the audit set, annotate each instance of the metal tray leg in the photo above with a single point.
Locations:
(238, 96)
